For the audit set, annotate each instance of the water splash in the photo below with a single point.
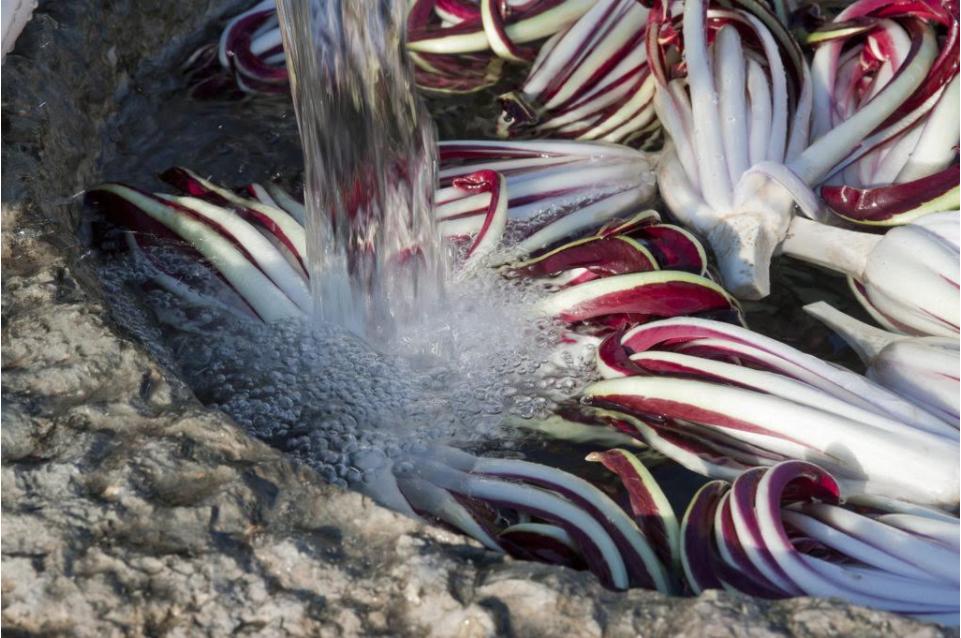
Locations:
(374, 255)
(323, 395)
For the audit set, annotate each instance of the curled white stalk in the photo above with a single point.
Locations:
(527, 29)
(835, 144)
(858, 451)
(735, 121)
(885, 112)
(555, 189)
(175, 286)
(907, 279)
(215, 235)
(771, 529)
(924, 370)
(719, 399)
(610, 541)
(591, 81)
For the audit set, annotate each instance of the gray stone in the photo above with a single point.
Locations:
(130, 510)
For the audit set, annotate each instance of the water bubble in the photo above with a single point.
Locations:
(329, 399)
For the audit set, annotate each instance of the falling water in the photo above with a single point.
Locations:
(374, 257)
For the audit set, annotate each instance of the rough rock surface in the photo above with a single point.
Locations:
(129, 509)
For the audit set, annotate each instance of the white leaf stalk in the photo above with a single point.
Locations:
(272, 292)
(589, 82)
(767, 534)
(835, 144)
(924, 370)
(741, 157)
(452, 53)
(720, 399)
(733, 124)
(906, 279)
(556, 189)
(868, 66)
(484, 37)
(610, 541)
(500, 201)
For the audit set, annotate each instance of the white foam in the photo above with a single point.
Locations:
(455, 374)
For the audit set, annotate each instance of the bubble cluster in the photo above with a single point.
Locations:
(457, 374)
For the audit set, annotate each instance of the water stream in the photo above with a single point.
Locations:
(369, 145)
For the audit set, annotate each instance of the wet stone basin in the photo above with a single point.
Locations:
(129, 507)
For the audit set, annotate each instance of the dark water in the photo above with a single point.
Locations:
(256, 139)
